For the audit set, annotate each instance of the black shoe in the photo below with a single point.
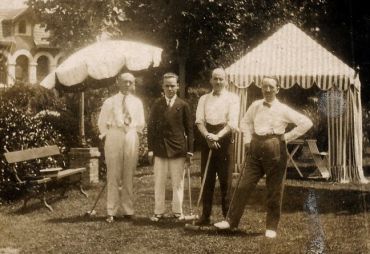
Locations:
(203, 222)
(128, 217)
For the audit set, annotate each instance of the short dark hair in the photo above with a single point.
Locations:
(170, 75)
(273, 78)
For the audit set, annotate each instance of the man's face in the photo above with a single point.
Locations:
(126, 83)
(218, 81)
(269, 89)
(170, 86)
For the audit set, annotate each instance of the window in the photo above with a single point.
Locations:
(22, 27)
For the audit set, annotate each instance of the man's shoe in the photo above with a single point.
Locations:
(156, 217)
(109, 219)
(222, 225)
(270, 233)
(203, 222)
(128, 217)
(179, 216)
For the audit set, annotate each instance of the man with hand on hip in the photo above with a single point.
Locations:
(217, 116)
(170, 141)
(121, 119)
(265, 140)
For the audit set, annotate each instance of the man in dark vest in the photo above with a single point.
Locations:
(170, 140)
(217, 117)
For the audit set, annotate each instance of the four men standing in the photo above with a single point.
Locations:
(170, 141)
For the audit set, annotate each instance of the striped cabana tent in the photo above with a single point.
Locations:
(296, 59)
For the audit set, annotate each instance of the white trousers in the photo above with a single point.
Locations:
(161, 168)
(121, 155)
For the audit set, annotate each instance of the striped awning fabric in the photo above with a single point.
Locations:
(295, 58)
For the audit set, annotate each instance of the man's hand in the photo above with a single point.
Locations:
(102, 137)
(213, 144)
(150, 157)
(212, 137)
(189, 160)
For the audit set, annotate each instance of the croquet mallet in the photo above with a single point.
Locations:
(92, 212)
(192, 226)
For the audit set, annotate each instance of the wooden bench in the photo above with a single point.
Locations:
(37, 186)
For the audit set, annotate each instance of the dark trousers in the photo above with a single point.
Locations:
(219, 165)
(268, 156)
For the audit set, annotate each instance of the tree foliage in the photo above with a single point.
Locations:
(198, 34)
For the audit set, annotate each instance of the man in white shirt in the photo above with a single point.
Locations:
(217, 117)
(265, 140)
(121, 119)
(170, 140)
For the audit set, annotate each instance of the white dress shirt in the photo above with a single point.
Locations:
(219, 109)
(263, 120)
(171, 101)
(112, 115)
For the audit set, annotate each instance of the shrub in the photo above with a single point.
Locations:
(20, 130)
(194, 94)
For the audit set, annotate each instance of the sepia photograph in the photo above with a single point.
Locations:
(184, 126)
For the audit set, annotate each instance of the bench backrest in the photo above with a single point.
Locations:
(31, 154)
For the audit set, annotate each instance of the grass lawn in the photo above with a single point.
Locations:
(317, 217)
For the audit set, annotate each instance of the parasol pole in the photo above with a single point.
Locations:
(82, 119)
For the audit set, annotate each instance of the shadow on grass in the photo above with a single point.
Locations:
(35, 205)
(78, 219)
(212, 231)
(166, 223)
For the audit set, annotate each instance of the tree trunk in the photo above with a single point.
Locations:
(182, 71)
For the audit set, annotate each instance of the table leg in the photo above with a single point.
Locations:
(290, 158)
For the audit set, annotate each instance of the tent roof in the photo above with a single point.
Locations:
(295, 58)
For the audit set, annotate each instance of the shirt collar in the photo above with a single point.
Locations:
(273, 103)
(222, 92)
(172, 99)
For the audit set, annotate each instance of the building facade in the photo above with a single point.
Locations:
(25, 53)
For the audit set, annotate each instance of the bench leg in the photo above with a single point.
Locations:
(25, 201)
(43, 199)
(83, 191)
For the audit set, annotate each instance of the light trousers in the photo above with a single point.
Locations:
(176, 168)
(121, 155)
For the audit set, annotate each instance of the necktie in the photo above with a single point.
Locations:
(168, 103)
(126, 114)
(266, 104)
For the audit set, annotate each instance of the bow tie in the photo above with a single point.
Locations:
(266, 104)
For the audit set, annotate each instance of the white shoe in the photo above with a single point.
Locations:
(222, 225)
(156, 217)
(270, 233)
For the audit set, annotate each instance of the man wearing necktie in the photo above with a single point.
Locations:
(217, 116)
(263, 127)
(121, 119)
(170, 141)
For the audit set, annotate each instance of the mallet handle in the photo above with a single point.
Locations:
(204, 177)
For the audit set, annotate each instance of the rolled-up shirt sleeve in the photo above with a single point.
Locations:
(302, 122)
(199, 115)
(247, 126)
(233, 114)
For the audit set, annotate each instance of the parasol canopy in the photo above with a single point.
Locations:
(101, 61)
